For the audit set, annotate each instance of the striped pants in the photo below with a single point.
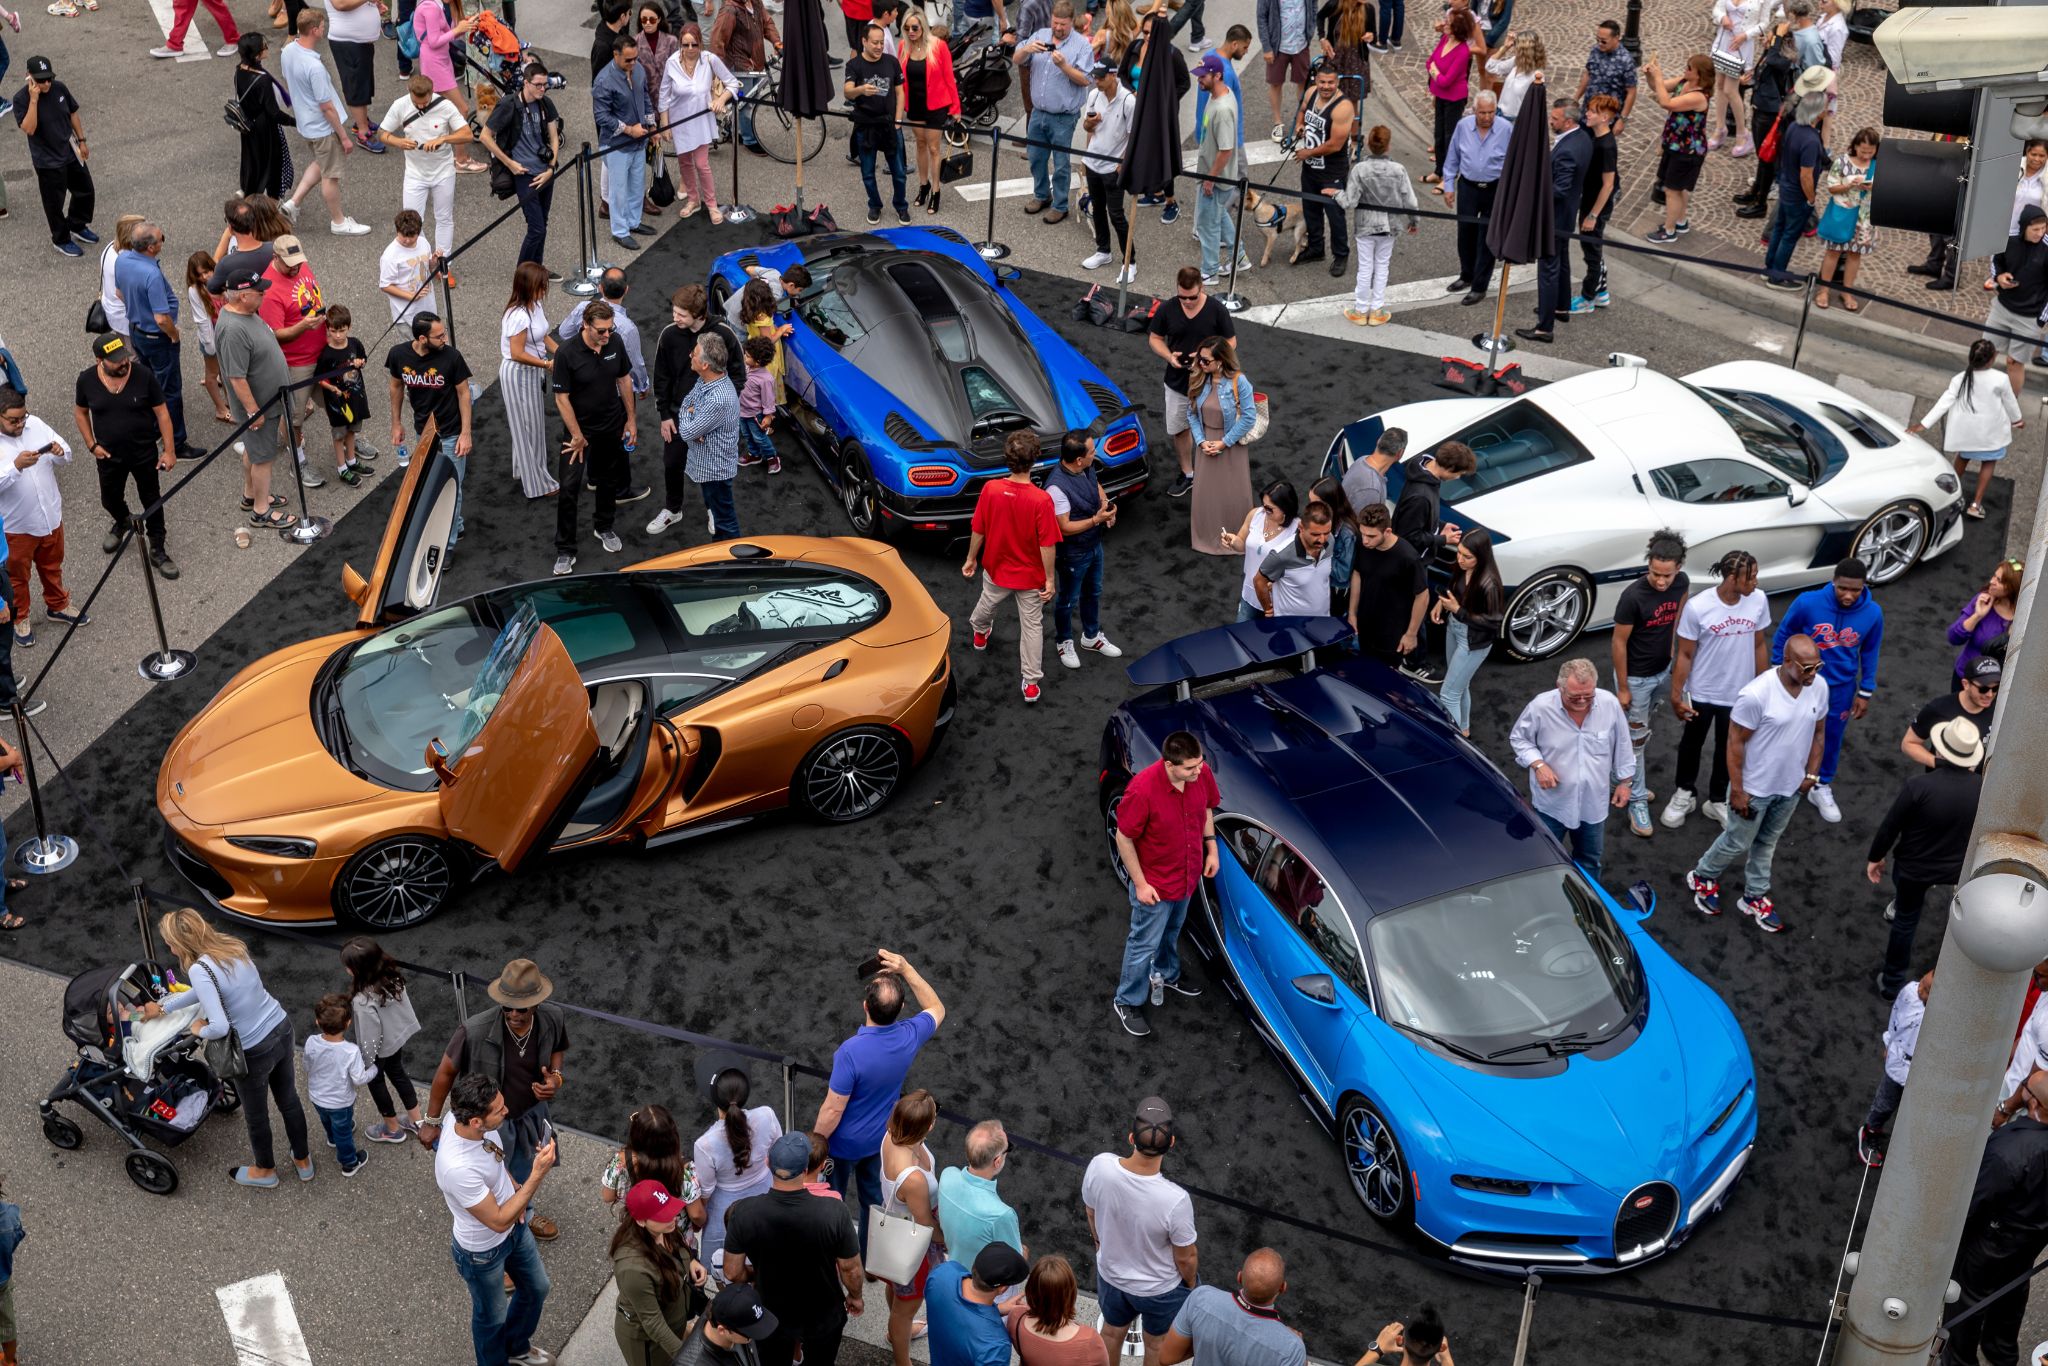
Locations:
(525, 390)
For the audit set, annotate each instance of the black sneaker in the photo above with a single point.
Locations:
(1180, 486)
(1870, 1145)
(634, 494)
(874, 217)
(1183, 987)
(1133, 1018)
(351, 1168)
(1423, 673)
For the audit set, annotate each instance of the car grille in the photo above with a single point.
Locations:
(898, 429)
(948, 234)
(196, 869)
(1644, 1223)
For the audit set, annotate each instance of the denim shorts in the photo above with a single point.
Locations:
(1156, 1311)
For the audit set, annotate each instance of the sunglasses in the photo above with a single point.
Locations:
(601, 332)
(1806, 670)
(690, 43)
(2019, 565)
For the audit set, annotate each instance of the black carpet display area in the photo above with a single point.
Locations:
(988, 872)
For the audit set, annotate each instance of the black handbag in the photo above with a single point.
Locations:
(502, 186)
(96, 319)
(958, 166)
(661, 189)
(225, 1055)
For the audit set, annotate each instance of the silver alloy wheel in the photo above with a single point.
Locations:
(1546, 617)
(1372, 1158)
(397, 883)
(852, 776)
(858, 496)
(1892, 541)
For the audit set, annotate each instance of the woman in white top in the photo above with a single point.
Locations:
(1265, 526)
(1521, 60)
(1736, 26)
(524, 345)
(110, 297)
(1722, 646)
(693, 82)
(2028, 191)
(1981, 413)
(910, 1191)
(201, 309)
(731, 1158)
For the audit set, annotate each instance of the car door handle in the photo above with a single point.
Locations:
(1318, 987)
(837, 667)
(1244, 922)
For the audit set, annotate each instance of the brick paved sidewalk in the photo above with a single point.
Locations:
(1672, 30)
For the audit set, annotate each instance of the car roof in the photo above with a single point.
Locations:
(1646, 418)
(1348, 764)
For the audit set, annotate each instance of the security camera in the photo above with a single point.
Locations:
(1928, 49)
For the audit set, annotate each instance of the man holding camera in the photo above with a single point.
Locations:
(1177, 331)
(493, 1239)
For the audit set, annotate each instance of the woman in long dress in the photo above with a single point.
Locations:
(1221, 410)
(266, 156)
(524, 344)
(693, 82)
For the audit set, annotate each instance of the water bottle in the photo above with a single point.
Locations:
(400, 454)
(630, 444)
(1158, 991)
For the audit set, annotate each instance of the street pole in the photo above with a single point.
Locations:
(1631, 29)
(1998, 930)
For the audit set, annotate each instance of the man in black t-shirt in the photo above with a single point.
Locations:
(1645, 637)
(593, 384)
(433, 377)
(800, 1250)
(1597, 199)
(1178, 330)
(125, 425)
(1977, 698)
(47, 114)
(874, 85)
(1389, 588)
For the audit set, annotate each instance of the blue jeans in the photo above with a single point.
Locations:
(535, 204)
(1587, 841)
(502, 1328)
(160, 354)
(1213, 222)
(1057, 129)
(889, 143)
(746, 80)
(1077, 579)
(446, 445)
(627, 168)
(1786, 229)
(725, 517)
(1643, 693)
(1392, 15)
(1461, 661)
(1190, 18)
(1757, 836)
(341, 1132)
(859, 1178)
(758, 442)
(1247, 612)
(1153, 945)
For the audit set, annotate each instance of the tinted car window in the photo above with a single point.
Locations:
(1715, 481)
(1514, 443)
(732, 607)
(1299, 893)
(1245, 841)
(1763, 432)
(831, 318)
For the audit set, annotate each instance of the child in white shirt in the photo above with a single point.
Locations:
(334, 1069)
(1901, 1037)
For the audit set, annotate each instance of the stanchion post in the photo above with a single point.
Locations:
(1529, 1289)
(461, 997)
(46, 853)
(596, 266)
(1805, 312)
(578, 282)
(142, 925)
(308, 528)
(990, 249)
(788, 1099)
(738, 211)
(1230, 298)
(162, 664)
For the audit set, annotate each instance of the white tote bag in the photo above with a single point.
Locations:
(897, 1244)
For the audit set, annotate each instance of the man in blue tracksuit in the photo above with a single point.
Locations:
(1848, 626)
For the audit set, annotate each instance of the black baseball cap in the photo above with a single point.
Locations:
(109, 346)
(738, 1309)
(1000, 1265)
(246, 279)
(39, 67)
(1984, 671)
(1152, 1126)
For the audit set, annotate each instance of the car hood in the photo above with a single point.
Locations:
(252, 753)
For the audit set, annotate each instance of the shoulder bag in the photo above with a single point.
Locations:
(897, 1245)
(1260, 422)
(96, 311)
(224, 1055)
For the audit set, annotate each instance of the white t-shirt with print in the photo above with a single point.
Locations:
(466, 1171)
(409, 269)
(439, 120)
(533, 322)
(1139, 1221)
(1774, 764)
(1724, 655)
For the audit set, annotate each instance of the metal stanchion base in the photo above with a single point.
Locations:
(46, 854)
(740, 213)
(580, 286)
(307, 530)
(1233, 303)
(164, 666)
(992, 251)
(1484, 341)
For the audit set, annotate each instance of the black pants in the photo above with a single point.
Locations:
(1766, 171)
(1448, 112)
(391, 1069)
(1106, 203)
(270, 1069)
(8, 688)
(1553, 287)
(820, 1343)
(1911, 899)
(56, 185)
(1475, 259)
(1319, 209)
(1593, 247)
(856, 33)
(1996, 1331)
(1706, 716)
(603, 467)
(675, 483)
(115, 472)
(535, 203)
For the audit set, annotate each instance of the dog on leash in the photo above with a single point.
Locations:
(1273, 217)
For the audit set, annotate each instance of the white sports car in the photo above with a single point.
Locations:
(1574, 476)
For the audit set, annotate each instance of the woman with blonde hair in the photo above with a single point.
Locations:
(110, 297)
(230, 994)
(1737, 26)
(1345, 36)
(910, 1190)
(1521, 60)
(1113, 35)
(442, 27)
(931, 96)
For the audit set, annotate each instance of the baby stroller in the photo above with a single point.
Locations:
(150, 1081)
(981, 68)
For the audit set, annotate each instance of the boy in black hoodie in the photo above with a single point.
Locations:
(1418, 520)
(2021, 274)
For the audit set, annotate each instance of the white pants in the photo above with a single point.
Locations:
(417, 195)
(1374, 252)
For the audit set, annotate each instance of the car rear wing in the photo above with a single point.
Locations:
(1242, 646)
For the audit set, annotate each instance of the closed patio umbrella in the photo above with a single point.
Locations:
(1151, 158)
(1524, 227)
(806, 75)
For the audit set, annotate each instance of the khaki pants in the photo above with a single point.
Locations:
(1030, 620)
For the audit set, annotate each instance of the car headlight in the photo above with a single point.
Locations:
(1946, 482)
(1490, 1185)
(277, 846)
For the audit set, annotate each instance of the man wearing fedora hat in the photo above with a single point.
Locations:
(518, 1043)
(1926, 834)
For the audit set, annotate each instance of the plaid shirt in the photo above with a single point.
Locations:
(1610, 73)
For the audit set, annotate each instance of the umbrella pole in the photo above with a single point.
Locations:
(799, 168)
(1496, 346)
(1130, 245)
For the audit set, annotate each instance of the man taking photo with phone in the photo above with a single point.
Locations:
(493, 1220)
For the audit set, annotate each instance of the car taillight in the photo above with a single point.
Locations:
(1120, 442)
(932, 476)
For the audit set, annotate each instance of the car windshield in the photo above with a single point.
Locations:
(1764, 435)
(434, 677)
(1524, 959)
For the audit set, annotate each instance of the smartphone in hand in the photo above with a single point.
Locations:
(869, 966)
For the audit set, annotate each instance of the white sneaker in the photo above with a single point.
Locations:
(1244, 262)
(167, 52)
(289, 209)
(663, 520)
(1716, 811)
(610, 542)
(227, 50)
(1677, 809)
(1067, 655)
(1096, 260)
(710, 523)
(347, 227)
(1823, 799)
(1100, 644)
(564, 564)
(1127, 276)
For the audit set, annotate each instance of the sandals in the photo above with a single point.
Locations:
(276, 501)
(1851, 305)
(717, 215)
(1975, 512)
(1820, 298)
(62, 9)
(274, 520)
(10, 922)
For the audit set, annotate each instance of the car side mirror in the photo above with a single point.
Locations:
(1009, 275)
(437, 761)
(1644, 898)
(1794, 495)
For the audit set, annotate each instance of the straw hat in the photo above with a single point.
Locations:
(1815, 80)
(1958, 741)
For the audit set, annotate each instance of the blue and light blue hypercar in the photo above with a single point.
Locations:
(910, 364)
(1511, 1064)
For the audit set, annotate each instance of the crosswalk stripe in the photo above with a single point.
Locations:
(195, 51)
(262, 1323)
(1409, 293)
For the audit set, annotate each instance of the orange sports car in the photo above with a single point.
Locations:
(368, 775)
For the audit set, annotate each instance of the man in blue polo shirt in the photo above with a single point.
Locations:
(867, 1080)
(960, 1308)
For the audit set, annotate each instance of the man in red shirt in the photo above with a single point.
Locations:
(1015, 531)
(1166, 837)
(298, 315)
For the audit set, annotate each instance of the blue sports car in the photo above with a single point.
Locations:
(1511, 1064)
(911, 362)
